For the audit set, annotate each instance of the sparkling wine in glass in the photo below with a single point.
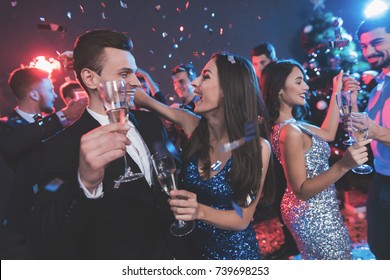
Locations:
(165, 168)
(359, 127)
(115, 99)
(344, 102)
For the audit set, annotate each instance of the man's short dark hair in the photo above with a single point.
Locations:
(189, 68)
(89, 49)
(265, 48)
(22, 79)
(371, 23)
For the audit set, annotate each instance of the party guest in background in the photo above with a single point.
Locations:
(262, 55)
(72, 90)
(21, 137)
(182, 77)
(374, 36)
(150, 86)
(212, 179)
(87, 217)
(309, 206)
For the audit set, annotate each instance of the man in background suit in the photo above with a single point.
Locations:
(20, 148)
(86, 217)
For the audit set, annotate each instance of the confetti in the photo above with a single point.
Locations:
(216, 166)
(181, 28)
(51, 27)
(237, 209)
(187, 4)
(123, 4)
(220, 31)
(164, 34)
(175, 46)
(42, 19)
(82, 9)
(69, 15)
(178, 10)
(53, 185)
(104, 15)
(103, 4)
(157, 8)
(212, 14)
(14, 3)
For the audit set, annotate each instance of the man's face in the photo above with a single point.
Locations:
(119, 64)
(259, 62)
(375, 45)
(182, 84)
(46, 96)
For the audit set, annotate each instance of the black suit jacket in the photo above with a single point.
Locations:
(20, 145)
(131, 222)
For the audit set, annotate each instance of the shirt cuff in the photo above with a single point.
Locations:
(97, 193)
(63, 119)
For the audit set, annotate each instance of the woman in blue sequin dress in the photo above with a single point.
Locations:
(309, 206)
(213, 180)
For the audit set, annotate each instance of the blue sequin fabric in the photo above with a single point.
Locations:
(316, 224)
(210, 242)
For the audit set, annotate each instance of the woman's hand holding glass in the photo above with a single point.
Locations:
(165, 168)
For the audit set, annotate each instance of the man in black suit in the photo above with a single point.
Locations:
(86, 217)
(20, 148)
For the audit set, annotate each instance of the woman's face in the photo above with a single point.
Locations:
(294, 90)
(208, 89)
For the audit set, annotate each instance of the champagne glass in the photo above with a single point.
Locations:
(115, 98)
(344, 102)
(359, 127)
(164, 166)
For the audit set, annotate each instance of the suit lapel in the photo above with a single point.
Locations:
(15, 120)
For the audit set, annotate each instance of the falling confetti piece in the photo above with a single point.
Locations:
(212, 14)
(205, 9)
(151, 51)
(53, 185)
(69, 15)
(221, 31)
(103, 4)
(164, 66)
(163, 16)
(104, 15)
(170, 55)
(178, 10)
(181, 28)
(181, 38)
(14, 3)
(123, 4)
(42, 19)
(51, 27)
(157, 8)
(82, 9)
(164, 34)
(187, 4)
(230, 25)
(153, 29)
(237, 209)
(175, 46)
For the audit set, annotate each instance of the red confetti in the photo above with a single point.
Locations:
(178, 10)
(220, 31)
(82, 9)
(103, 4)
(157, 8)
(187, 4)
(181, 28)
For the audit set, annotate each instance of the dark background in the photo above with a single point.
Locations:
(245, 24)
